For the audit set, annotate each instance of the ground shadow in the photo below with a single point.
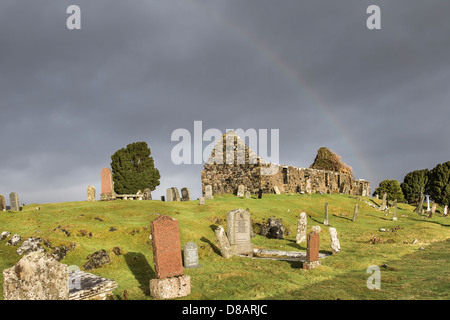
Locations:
(382, 218)
(342, 217)
(315, 220)
(296, 245)
(141, 269)
(213, 246)
(429, 221)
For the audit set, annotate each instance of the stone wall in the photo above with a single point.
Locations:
(225, 178)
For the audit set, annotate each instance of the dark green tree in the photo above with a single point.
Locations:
(392, 188)
(133, 169)
(413, 183)
(439, 183)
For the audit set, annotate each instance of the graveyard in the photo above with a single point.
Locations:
(411, 252)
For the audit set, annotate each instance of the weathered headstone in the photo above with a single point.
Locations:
(325, 221)
(91, 193)
(276, 190)
(240, 191)
(433, 208)
(238, 231)
(248, 194)
(428, 203)
(191, 255)
(445, 211)
(312, 251)
(176, 194)
(208, 192)
(185, 194)
(14, 201)
(202, 200)
(224, 244)
(107, 185)
(302, 223)
(169, 195)
(335, 245)
(2, 203)
(316, 229)
(355, 212)
(36, 277)
(139, 195)
(147, 194)
(394, 218)
(170, 281)
(383, 204)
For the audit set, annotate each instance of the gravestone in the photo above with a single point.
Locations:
(91, 193)
(325, 221)
(147, 194)
(238, 231)
(185, 194)
(240, 191)
(248, 194)
(312, 251)
(2, 203)
(445, 211)
(428, 203)
(139, 195)
(355, 212)
(335, 246)
(383, 204)
(202, 200)
(302, 223)
(163, 199)
(36, 276)
(14, 201)
(176, 194)
(170, 281)
(260, 194)
(394, 218)
(208, 192)
(169, 195)
(107, 185)
(276, 190)
(224, 244)
(191, 255)
(433, 208)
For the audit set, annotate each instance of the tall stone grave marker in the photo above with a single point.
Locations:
(355, 212)
(335, 245)
(394, 218)
(36, 277)
(312, 251)
(176, 194)
(208, 192)
(170, 281)
(240, 191)
(428, 203)
(238, 230)
(185, 194)
(383, 204)
(2, 203)
(107, 185)
(169, 195)
(191, 255)
(433, 208)
(91, 193)
(445, 210)
(224, 244)
(302, 223)
(325, 221)
(147, 194)
(14, 201)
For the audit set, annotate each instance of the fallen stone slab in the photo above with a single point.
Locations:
(87, 286)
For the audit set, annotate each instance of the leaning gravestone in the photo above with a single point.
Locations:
(276, 190)
(302, 223)
(335, 245)
(147, 195)
(191, 255)
(312, 251)
(36, 277)
(325, 221)
(208, 192)
(240, 191)
(14, 201)
(107, 185)
(224, 244)
(170, 281)
(91, 193)
(383, 204)
(238, 230)
(185, 194)
(355, 212)
(2, 203)
(176, 194)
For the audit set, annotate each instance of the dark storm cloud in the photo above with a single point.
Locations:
(140, 69)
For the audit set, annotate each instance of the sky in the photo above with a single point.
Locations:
(139, 70)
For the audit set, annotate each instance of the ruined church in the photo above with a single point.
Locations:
(232, 163)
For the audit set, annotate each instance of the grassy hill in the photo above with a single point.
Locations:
(406, 271)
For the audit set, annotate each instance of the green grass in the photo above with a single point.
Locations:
(410, 273)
